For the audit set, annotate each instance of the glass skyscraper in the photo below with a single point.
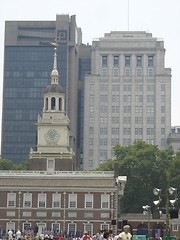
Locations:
(27, 66)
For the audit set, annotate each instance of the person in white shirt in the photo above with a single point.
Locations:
(18, 234)
(10, 234)
(125, 235)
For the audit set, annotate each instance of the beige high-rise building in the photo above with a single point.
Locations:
(127, 95)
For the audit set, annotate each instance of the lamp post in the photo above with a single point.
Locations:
(170, 191)
(64, 213)
(147, 211)
(19, 208)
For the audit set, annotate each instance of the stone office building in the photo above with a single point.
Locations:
(127, 95)
(68, 202)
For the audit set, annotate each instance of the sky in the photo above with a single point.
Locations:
(96, 17)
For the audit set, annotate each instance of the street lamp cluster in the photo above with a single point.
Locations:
(171, 210)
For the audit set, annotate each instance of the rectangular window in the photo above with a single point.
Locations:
(162, 109)
(72, 229)
(150, 120)
(72, 200)
(90, 152)
(150, 72)
(162, 98)
(162, 120)
(90, 141)
(88, 227)
(162, 131)
(163, 142)
(139, 72)
(138, 120)
(115, 72)
(104, 226)
(91, 119)
(150, 61)
(104, 72)
(150, 87)
(56, 227)
(162, 87)
(88, 200)
(91, 130)
(11, 200)
(127, 61)
(56, 200)
(127, 72)
(150, 98)
(138, 131)
(127, 109)
(10, 225)
(91, 87)
(150, 131)
(26, 226)
(104, 61)
(126, 120)
(105, 201)
(41, 200)
(116, 61)
(27, 200)
(126, 131)
(139, 61)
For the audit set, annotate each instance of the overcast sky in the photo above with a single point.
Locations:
(95, 17)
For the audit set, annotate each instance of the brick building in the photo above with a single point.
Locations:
(69, 202)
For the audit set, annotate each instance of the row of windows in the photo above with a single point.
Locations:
(56, 200)
(127, 87)
(56, 227)
(127, 61)
(126, 109)
(126, 120)
(127, 72)
(126, 131)
(126, 142)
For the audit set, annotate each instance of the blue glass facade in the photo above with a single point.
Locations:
(84, 68)
(26, 74)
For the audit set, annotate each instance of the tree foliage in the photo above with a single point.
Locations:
(146, 167)
(6, 164)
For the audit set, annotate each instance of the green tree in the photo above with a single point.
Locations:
(6, 164)
(146, 168)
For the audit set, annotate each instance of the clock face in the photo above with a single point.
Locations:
(52, 135)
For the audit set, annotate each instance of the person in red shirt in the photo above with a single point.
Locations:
(86, 236)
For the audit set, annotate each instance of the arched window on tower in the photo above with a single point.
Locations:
(46, 104)
(60, 104)
(53, 103)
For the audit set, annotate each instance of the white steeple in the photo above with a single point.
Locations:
(54, 73)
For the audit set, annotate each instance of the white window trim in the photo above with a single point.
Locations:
(56, 224)
(108, 201)
(54, 201)
(45, 199)
(30, 200)
(105, 228)
(14, 200)
(26, 223)
(75, 228)
(85, 229)
(70, 201)
(12, 228)
(92, 198)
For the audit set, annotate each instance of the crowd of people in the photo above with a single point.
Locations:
(48, 235)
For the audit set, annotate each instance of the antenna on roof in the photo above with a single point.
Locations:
(128, 15)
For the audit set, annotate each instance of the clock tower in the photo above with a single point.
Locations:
(53, 151)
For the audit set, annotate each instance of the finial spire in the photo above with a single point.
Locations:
(54, 73)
